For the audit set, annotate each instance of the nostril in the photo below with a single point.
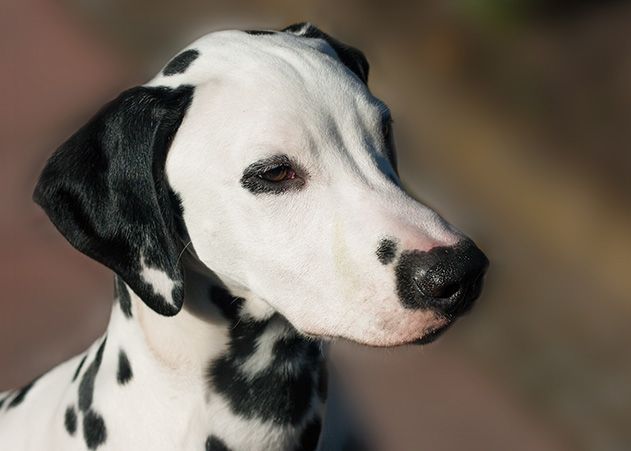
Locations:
(433, 284)
(445, 291)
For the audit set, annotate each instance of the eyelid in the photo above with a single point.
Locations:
(267, 164)
(274, 168)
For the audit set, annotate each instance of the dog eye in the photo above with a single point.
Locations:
(273, 175)
(279, 174)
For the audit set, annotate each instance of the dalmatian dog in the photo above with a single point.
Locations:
(248, 202)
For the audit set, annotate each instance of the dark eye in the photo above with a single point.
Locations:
(278, 174)
(273, 175)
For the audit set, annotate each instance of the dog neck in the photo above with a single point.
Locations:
(248, 367)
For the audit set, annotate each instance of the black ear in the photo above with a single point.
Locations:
(351, 57)
(106, 191)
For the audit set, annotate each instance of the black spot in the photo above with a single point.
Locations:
(260, 32)
(386, 251)
(78, 370)
(280, 393)
(123, 296)
(310, 435)
(86, 387)
(124, 373)
(180, 63)
(214, 443)
(106, 191)
(293, 349)
(17, 399)
(243, 337)
(226, 302)
(94, 431)
(70, 420)
(2, 401)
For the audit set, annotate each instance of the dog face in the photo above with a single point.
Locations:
(280, 176)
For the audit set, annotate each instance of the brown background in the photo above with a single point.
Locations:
(512, 117)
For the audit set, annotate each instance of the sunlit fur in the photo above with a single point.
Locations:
(308, 254)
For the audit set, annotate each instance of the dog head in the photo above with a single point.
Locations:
(265, 155)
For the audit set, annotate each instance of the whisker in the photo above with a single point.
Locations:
(182, 252)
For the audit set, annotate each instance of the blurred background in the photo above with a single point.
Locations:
(513, 119)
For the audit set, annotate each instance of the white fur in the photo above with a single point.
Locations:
(307, 254)
(160, 281)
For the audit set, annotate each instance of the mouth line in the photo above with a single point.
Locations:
(429, 337)
(432, 335)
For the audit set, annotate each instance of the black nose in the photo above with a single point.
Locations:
(445, 279)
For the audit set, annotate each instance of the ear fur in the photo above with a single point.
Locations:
(106, 191)
(351, 57)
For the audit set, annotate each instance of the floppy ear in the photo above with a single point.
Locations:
(105, 190)
(351, 57)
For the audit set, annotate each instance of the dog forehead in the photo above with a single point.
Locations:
(269, 81)
(250, 57)
(271, 93)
